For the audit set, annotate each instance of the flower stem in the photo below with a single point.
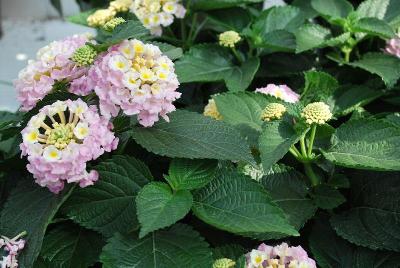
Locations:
(310, 174)
(235, 52)
(311, 140)
(303, 146)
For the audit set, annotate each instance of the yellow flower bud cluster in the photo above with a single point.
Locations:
(211, 110)
(229, 39)
(316, 113)
(273, 111)
(224, 263)
(102, 16)
(110, 25)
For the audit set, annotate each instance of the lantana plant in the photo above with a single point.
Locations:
(201, 133)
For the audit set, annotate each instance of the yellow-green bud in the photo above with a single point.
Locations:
(229, 39)
(223, 263)
(212, 111)
(316, 113)
(273, 111)
(84, 55)
(110, 25)
(100, 17)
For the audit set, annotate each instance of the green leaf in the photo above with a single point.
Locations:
(109, 205)
(217, 4)
(289, 191)
(319, 86)
(70, 246)
(373, 220)
(392, 15)
(332, 9)
(330, 251)
(373, 26)
(230, 251)
(194, 136)
(278, 18)
(310, 36)
(81, 18)
(278, 41)
(242, 76)
(230, 19)
(158, 207)
(327, 197)
(366, 144)
(178, 246)
(128, 30)
(386, 66)
(168, 50)
(275, 141)
(306, 8)
(237, 204)
(30, 208)
(243, 108)
(372, 9)
(186, 174)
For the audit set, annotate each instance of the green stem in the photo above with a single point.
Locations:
(293, 147)
(303, 146)
(235, 52)
(311, 140)
(183, 31)
(347, 56)
(192, 28)
(294, 153)
(310, 174)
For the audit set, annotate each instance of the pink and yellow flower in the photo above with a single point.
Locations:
(393, 46)
(282, 92)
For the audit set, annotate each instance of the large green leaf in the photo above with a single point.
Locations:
(392, 15)
(374, 26)
(366, 144)
(330, 251)
(176, 247)
(319, 86)
(374, 217)
(275, 141)
(289, 191)
(229, 19)
(386, 66)
(310, 36)
(237, 204)
(128, 30)
(327, 197)
(157, 206)
(30, 208)
(187, 174)
(217, 4)
(241, 76)
(372, 9)
(109, 205)
(170, 51)
(71, 247)
(333, 8)
(191, 135)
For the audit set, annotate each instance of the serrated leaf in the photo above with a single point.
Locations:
(30, 208)
(310, 36)
(178, 246)
(289, 191)
(373, 219)
(109, 205)
(187, 174)
(158, 207)
(168, 50)
(333, 8)
(234, 203)
(242, 76)
(392, 15)
(277, 41)
(194, 136)
(70, 246)
(366, 144)
(386, 66)
(275, 141)
(319, 86)
(128, 30)
(372, 9)
(327, 197)
(373, 26)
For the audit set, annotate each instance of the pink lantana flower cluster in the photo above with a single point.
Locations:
(11, 247)
(61, 139)
(282, 92)
(136, 78)
(393, 46)
(281, 256)
(53, 63)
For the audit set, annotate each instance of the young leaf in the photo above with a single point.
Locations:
(191, 135)
(310, 36)
(373, 220)
(372, 9)
(178, 246)
(373, 26)
(30, 208)
(327, 197)
(366, 144)
(158, 207)
(386, 66)
(234, 203)
(333, 8)
(109, 205)
(275, 141)
(71, 247)
(187, 174)
(289, 191)
(319, 86)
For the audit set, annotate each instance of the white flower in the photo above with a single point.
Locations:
(119, 63)
(131, 80)
(51, 153)
(257, 257)
(81, 130)
(127, 50)
(170, 7)
(31, 136)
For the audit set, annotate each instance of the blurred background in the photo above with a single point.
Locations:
(26, 26)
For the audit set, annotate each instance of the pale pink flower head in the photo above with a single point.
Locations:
(11, 246)
(393, 46)
(281, 256)
(61, 139)
(52, 64)
(136, 78)
(282, 92)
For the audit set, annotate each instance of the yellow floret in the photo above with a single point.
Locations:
(273, 111)
(100, 17)
(223, 263)
(212, 111)
(316, 112)
(229, 39)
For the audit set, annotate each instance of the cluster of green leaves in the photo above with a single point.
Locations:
(180, 194)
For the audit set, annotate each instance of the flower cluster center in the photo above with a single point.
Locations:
(60, 135)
